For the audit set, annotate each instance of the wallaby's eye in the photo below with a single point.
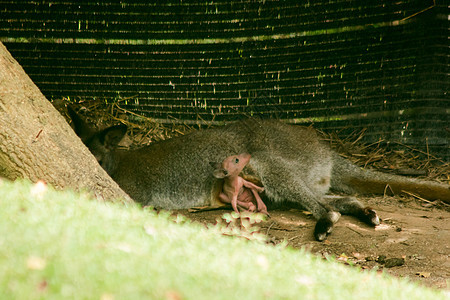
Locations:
(236, 160)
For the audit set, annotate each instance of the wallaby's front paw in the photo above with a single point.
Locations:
(324, 225)
(370, 216)
(260, 190)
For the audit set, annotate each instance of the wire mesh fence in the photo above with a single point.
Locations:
(342, 65)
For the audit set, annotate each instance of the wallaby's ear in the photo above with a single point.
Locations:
(81, 128)
(112, 136)
(220, 173)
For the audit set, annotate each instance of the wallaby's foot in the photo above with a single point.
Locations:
(324, 225)
(352, 207)
(369, 216)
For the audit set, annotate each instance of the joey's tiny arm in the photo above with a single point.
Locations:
(252, 186)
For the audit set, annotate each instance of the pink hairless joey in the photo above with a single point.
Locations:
(236, 190)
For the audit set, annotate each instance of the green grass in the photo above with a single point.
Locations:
(60, 245)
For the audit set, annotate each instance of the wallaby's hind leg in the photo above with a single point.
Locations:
(351, 206)
(326, 217)
(281, 184)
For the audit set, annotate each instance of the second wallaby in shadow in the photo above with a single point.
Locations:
(290, 161)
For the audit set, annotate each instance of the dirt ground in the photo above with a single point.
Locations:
(413, 239)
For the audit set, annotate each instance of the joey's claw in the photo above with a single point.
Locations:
(264, 212)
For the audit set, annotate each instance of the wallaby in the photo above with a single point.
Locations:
(290, 161)
(236, 190)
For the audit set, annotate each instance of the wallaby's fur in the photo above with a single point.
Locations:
(290, 161)
(236, 190)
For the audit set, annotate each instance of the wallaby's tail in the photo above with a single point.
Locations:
(348, 178)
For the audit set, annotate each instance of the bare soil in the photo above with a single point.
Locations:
(412, 241)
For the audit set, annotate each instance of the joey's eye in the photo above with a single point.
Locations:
(236, 160)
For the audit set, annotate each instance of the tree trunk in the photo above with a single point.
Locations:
(37, 143)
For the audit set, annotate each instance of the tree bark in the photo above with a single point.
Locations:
(37, 143)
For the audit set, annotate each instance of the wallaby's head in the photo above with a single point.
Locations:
(231, 166)
(100, 143)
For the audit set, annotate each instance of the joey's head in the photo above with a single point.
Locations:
(231, 166)
(100, 143)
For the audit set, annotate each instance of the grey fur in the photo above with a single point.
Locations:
(291, 162)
